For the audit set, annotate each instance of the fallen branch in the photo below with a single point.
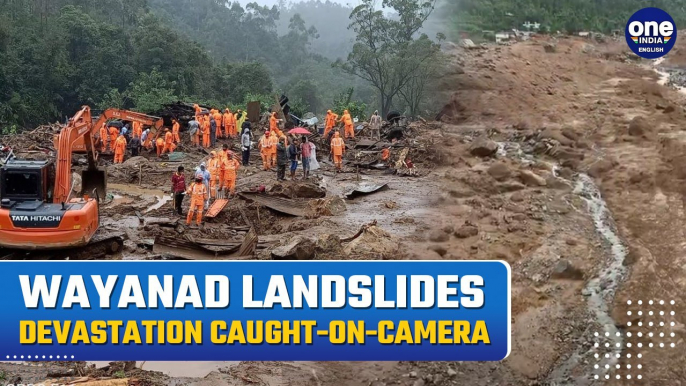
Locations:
(360, 232)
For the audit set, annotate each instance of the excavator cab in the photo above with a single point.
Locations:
(22, 180)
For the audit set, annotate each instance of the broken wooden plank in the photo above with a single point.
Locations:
(216, 208)
(249, 244)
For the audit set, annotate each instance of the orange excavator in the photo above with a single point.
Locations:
(37, 211)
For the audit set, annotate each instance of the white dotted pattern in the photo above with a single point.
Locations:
(36, 357)
(611, 346)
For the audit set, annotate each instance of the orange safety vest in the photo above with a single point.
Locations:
(337, 146)
(229, 168)
(168, 138)
(176, 127)
(213, 167)
(198, 193)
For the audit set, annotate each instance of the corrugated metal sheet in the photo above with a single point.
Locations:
(298, 208)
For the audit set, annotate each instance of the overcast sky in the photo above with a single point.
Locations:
(275, 2)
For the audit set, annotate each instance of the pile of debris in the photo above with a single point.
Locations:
(38, 142)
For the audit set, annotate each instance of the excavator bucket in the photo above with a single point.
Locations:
(94, 179)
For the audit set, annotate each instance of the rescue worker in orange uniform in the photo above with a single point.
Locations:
(348, 122)
(137, 130)
(213, 166)
(159, 146)
(198, 110)
(229, 124)
(265, 151)
(198, 193)
(103, 138)
(274, 124)
(219, 121)
(119, 149)
(114, 133)
(337, 149)
(329, 122)
(229, 169)
(273, 141)
(168, 142)
(206, 131)
(175, 131)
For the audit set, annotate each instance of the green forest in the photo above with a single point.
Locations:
(563, 15)
(57, 55)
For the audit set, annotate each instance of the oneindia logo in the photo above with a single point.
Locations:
(651, 33)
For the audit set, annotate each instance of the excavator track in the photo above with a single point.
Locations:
(102, 246)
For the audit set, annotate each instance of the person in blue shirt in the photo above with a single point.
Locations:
(202, 170)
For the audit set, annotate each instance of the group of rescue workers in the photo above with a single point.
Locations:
(217, 177)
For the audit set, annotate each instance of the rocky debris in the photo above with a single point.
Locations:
(550, 48)
(372, 241)
(332, 206)
(639, 126)
(601, 167)
(136, 161)
(565, 270)
(531, 179)
(78, 183)
(466, 231)
(500, 171)
(299, 248)
(483, 147)
(298, 190)
(557, 135)
(329, 243)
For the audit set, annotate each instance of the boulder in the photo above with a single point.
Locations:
(557, 135)
(565, 270)
(78, 183)
(136, 161)
(639, 126)
(466, 231)
(550, 48)
(299, 248)
(500, 171)
(532, 179)
(483, 147)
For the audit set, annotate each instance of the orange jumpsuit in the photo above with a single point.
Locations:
(348, 121)
(159, 146)
(228, 169)
(206, 132)
(198, 109)
(330, 122)
(229, 124)
(175, 131)
(119, 149)
(114, 133)
(218, 120)
(213, 168)
(168, 143)
(103, 138)
(198, 193)
(273, 141)
(137, 130)
(274, 126)
(265, 152)
(337, 148)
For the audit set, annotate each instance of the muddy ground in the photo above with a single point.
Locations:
(566, 164)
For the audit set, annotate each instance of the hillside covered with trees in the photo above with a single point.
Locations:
(57, 55)
(568, 15)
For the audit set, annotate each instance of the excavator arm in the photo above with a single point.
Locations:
(78, 136)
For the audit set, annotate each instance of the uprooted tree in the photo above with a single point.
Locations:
(389, 51)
